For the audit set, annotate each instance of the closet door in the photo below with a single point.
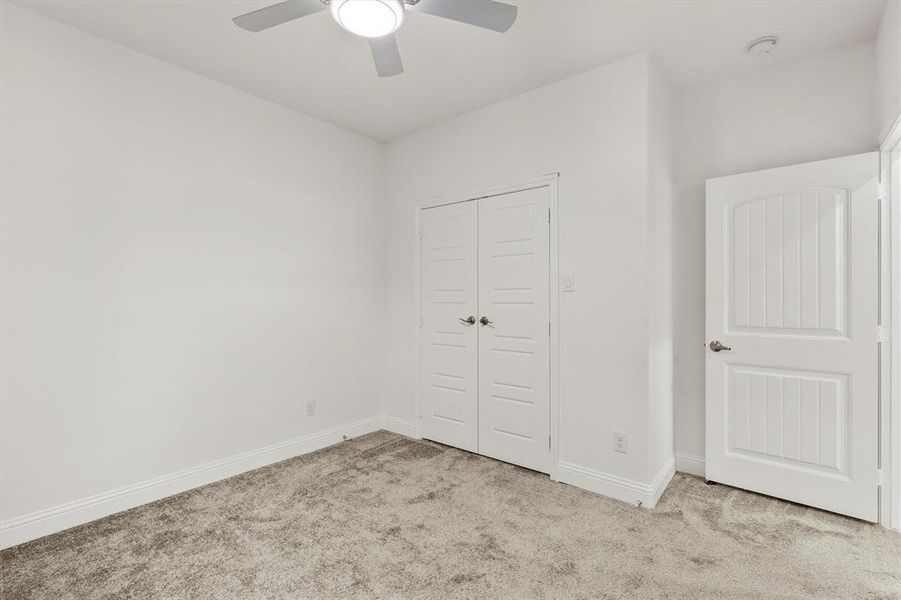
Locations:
(514, 334)
(449, 338)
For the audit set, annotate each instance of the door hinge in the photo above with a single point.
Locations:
(420, 320)
(548, 215)
(549, 328)
(548, 442)
(880, 478)
(882, 334)
(881, 192)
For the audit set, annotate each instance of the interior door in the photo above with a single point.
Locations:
(449, 379)
(792, 405)
(514, 334)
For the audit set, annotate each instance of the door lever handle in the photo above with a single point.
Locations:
(485, 321)
(470, 321)
(717, 346)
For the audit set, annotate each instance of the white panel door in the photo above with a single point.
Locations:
(792, 405)
(514, 340)
(449, 378)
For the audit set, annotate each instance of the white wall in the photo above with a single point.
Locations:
(594, 130)
(660, 285)
(888, 60)
(184, 265)
(813, 109)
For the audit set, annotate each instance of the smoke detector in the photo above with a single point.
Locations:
(763, 46)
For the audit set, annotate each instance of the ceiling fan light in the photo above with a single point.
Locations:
(368, 18)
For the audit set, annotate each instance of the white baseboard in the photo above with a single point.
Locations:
(55, 519)
(661, 481)
(401, 426)
(691, 464)
(44, 522)
(617, 487)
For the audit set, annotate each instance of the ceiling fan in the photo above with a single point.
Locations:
(377, 20)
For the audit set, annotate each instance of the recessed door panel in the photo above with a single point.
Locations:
(788, 262)
(792, 398)
(792, 419)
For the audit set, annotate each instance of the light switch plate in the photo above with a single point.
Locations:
(568, 282)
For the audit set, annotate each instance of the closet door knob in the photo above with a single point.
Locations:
(470, 321)
(485, 321)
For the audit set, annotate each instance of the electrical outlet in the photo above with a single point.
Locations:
(620, 442)
(568, 282)
(311, 408)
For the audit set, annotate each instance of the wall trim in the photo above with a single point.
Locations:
(691, 464)
(52, 520)
(401, 426)
(891, 136)
(617, 487)
(661, 481)
(890, 315)
(64, 516)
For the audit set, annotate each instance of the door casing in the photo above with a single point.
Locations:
(890, 319)
(550, 181)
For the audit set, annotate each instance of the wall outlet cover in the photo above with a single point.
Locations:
(568, 282)
(620, 442)
(311, 408)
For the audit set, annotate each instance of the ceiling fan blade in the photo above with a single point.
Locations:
(489, 14)
(277, 14)
(386, 56)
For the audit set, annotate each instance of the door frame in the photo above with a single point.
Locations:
(890, 320)
(551, 181)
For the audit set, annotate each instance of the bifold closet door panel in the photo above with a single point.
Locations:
(514, 346)
(449, 337)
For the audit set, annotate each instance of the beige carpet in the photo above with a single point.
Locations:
(384, 516)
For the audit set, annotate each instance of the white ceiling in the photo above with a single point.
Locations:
(313, 66)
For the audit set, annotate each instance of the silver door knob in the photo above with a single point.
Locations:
(717, 346)
(485, 321)
(470, 321)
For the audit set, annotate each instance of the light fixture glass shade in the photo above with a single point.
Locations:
(368, 18)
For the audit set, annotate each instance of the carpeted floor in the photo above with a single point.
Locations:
(384, 516)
